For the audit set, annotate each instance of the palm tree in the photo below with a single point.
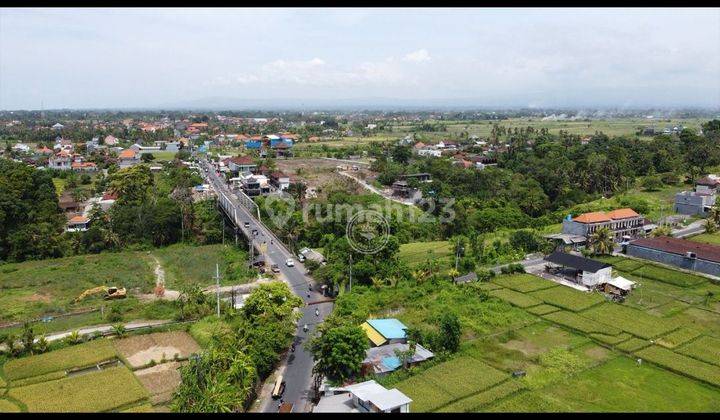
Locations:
(453, 273)
(73, 337)
(377, 281)
(119, 330)
(602, 241)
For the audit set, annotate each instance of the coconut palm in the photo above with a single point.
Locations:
(377, 281)
(602, 241)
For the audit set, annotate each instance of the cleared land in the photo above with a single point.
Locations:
(524, 282)
(141, 350)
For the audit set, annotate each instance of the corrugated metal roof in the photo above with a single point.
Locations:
(390, 328)
(373, 335)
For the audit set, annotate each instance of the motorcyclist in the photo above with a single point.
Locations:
(305, 327)
(317, 312)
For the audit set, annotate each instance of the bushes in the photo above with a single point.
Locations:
(512, 268)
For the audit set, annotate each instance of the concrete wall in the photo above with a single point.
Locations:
(592, 279)
(692, 204)
(573, 228)
(681, 261)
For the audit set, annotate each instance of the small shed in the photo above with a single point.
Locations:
(581, 270)
(471, 276)
(619, 286)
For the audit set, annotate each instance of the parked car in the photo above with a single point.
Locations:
(289, 262)
(246, 224)
(301, 257)
(275, 268)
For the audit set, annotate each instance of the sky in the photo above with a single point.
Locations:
(148, 58)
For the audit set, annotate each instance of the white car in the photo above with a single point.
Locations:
(289, 262)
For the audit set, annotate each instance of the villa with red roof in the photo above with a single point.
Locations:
(621, 222)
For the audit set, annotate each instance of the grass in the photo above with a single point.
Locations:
(186, 265)
(203, 330)
(707, 238)
(416, 253)
(630, 320)
(611, 339)
(515, 298)
(667, 275)
(618, 386)
(568, 298)
(704, 348)
(92, 392)
(681, 364)
(77, 356)
(524, 282)
(34, 288)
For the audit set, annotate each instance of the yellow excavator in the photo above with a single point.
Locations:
(110, 293)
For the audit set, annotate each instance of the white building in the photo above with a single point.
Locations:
(363, 397)
(20, 147)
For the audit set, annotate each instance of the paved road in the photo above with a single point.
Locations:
(129, 326)
(298, 373)
(695, 228)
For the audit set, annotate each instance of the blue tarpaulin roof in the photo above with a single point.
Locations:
(253, 144)
(390, 328)
(392, 362)
(274, 143)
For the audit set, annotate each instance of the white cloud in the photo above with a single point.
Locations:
(418, 56)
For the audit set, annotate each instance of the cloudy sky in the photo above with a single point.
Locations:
(85, 58)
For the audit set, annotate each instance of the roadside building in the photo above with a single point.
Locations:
(62, 160)
(580, 270)
(363, 397)
(710, 183)
(403, 190)
(689, 255)
(385, 331)
(240, 164)
(280, 180)
(701, 200)
(77, 224)
(384, 359)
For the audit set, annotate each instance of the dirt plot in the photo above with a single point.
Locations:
(313, 172)
(141, 350)
(161, 380)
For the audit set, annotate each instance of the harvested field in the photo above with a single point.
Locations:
(8, 407)
(567, 298)
(141, 350)
(160, 381)
(94, 392)
(77, 356)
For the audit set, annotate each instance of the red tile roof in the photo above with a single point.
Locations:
(599, 216)
(680, 247)
(242, 160)
(127, 154)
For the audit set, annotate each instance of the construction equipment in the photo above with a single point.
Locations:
(110, 293)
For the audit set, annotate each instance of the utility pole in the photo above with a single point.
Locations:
(217, 283)
(351, 265)
(223, 219)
